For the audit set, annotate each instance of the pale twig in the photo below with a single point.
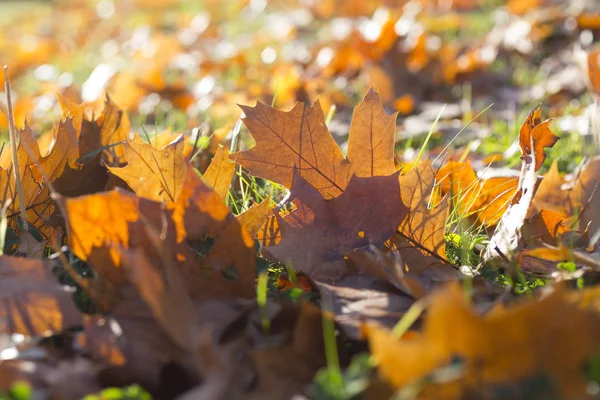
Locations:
(12, 131)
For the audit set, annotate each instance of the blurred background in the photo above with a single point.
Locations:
(185, 65)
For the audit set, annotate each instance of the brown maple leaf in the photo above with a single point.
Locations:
(320, 232)
(219, 173)
(103, 225)
(507, 235)
(295, 139)
(300, 139)
(34, 303)
(157, 174)
(486, 199)
(372, 137)
(38, 166)
(535, 135)
(421, 233)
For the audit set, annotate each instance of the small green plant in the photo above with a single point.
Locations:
(133, 392)
(355, 380)
(20, 390)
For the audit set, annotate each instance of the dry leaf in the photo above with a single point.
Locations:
(219, 173)
(254, 218)
(157, 174)
(103, 225)
(372, 134)
(421, 234)
(535, 135)
(33, 302)
(507, 236)
(320, 232)
(295, 139)
(360, 298)
(501, 348)
(487, 199)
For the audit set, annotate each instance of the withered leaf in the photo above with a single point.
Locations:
(254, 218)
(166, 295)
(554, 194)
(486, 199)
(38, 166)
(33, 302)
(587, 193)
(320, 232)
(103, 225)
(157, 174)
(507, 236)
(360, 298)
(535, 135)
(421, 233)
(502, 347)
(114, 128)
(219, 173)
(371, 141)
(295, 139)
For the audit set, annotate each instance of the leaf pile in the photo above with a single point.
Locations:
(158, 239)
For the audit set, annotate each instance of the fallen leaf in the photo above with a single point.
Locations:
(219, 173)
(360, 298)
(295, 139)
(30, 246)
(486, 199)
(199, 212)
(388, 267)
(105, 224)
(167, 297)
(553, 195)
(547, 226)
(587, 193)
(535, 135)
(502, 347)
(37, 168)
(421, 233)
(507, 235)
(157, 174)
(33, 302)
(371, 142)
(254, 218)
(315, 237)
(114, 128)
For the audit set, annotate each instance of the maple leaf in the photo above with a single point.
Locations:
(547, 226)
(34, 303)
(587, 193)
(219, 173)
(421, 233)
(114, 128)
(166, 295)
(372, 136)
(300, 139)
(535, 135)
(157, 174)
(555, 194)
(487, 199)
(255, 217)
(504, 346)
(103, 225)
(295, 139)
(316, 236)
(507, 235)
(133, 342)
(37, 168)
